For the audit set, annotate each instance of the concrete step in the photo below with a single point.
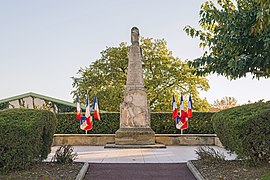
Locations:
(136, 146)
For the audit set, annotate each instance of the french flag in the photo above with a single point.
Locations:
(178, 122)
(182, 111)
(78, 115)
(83, 123)
(174, 108)
(189, 113)
(96, 109)
(184, 121)
(88, 116)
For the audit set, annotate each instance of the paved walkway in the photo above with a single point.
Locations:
(171, 154)
(136, 171)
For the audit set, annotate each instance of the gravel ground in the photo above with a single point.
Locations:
(231, 170)
(47, 171)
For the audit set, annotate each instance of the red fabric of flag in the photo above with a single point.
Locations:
(78, 114)
(88, 116)
(184, 121)
(182, 111)
(174, 109)
(189, 113)
(96, 109)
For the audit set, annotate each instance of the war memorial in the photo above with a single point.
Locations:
(135, 109)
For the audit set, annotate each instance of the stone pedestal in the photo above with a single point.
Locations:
(135, 136)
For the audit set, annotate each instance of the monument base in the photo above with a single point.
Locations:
(135, 136)
(135, 146)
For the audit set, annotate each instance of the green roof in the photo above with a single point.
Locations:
(35, 95)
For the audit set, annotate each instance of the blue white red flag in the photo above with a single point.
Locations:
(182, 111)
(88, 115)
(174, 108)
(78, 115)
(184, 121)
(96, 109)
(189, 113)
(83, 123)
(178, 122)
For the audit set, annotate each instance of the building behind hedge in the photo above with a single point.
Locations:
(37, 101)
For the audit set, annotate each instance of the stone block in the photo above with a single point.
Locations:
(143, 136)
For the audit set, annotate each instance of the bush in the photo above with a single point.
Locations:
(200, 123)
(26, 137)
(161, 123)
(245, 130)
(68, 124)
(64, 154)
(209, 155)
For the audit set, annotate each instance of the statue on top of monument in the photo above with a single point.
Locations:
(135, 36)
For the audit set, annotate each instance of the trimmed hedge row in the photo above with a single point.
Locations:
(161, 123)
(68, 124)
(245, 130)
(26, 137)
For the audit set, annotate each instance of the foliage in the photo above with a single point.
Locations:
(245, 130)
(164, 75)
(161, 123)
(4, 105)
(55, 107)
(225, 103)
(64, 154)
(236, 35)
(68, 124)
(209, 155)
(263, 17)
(26, 137)
(266, 176)
(61, 108)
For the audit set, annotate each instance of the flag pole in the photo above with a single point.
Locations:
(87, 91)
(182, 131)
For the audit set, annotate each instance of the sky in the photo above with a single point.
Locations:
(44, 43)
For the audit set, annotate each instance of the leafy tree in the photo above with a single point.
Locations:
(263, 16)
(236, 38)
(224, 103)
(164, 75)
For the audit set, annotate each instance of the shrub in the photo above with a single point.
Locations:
(200, 123)
(209, 155)
(161, 123)
(26, 137)
(245, 130)
(64, 154)
(68, 124)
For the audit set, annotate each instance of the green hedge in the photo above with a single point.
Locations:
(68, 124)
(245, 130)
(26, 137)
(161, 123)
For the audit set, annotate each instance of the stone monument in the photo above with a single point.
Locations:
(135, 126)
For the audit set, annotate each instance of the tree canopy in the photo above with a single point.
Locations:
(164, 75)
(224, 103)
(236, 38)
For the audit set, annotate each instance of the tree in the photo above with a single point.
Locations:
(164, 75)
(263, 17)
(224, 103)
(236, 35)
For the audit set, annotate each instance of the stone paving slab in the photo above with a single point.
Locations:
(171, 154)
